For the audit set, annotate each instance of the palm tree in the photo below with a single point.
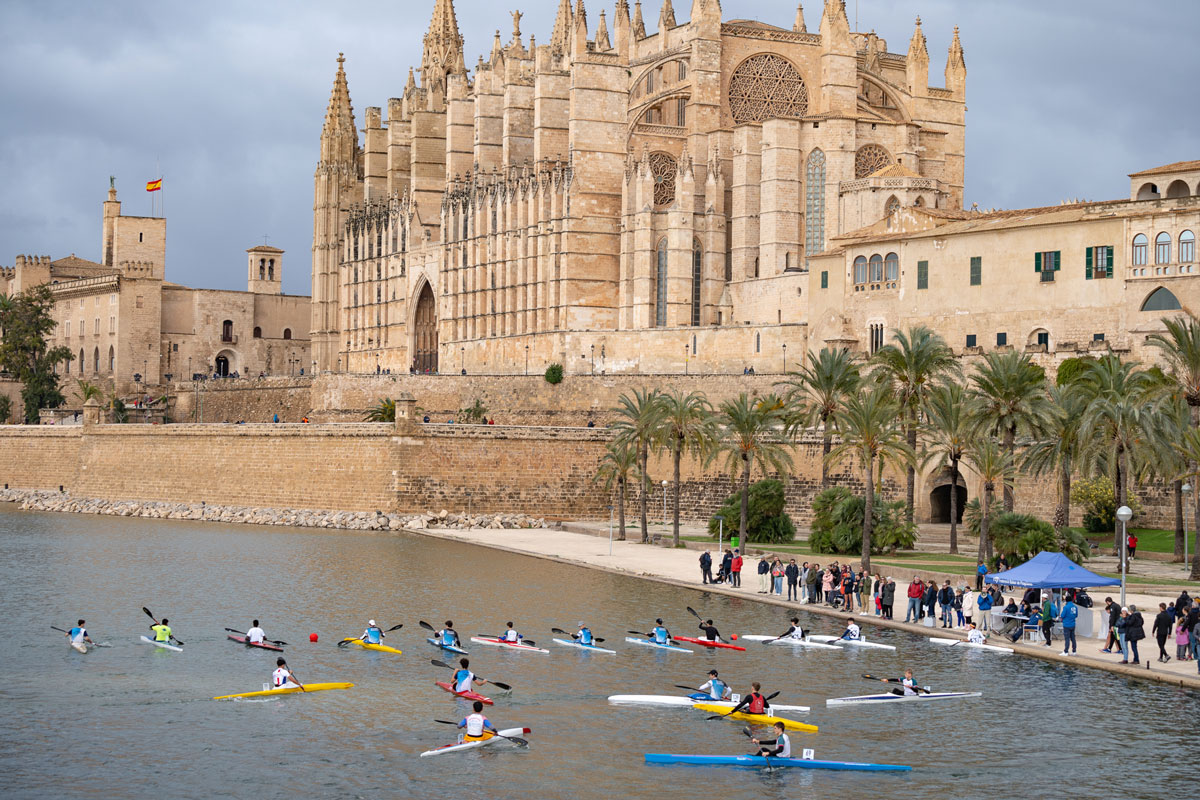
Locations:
(383, 411)
(88, 390)
(1180, 347)
(685, 426)
(946, 435)
(1166, 463)
(815, 393)
(1009, 391)
(870, 431)
(909, 367)
(619, 461)
(1188, 446)
(750, 436)
(637, 426)
(993, 464)
(1055, 451)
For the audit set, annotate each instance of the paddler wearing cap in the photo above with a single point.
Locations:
(585, 635)
(716, 688)
(373, 634)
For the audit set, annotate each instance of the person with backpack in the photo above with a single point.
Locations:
(983, 608)
(706, 567)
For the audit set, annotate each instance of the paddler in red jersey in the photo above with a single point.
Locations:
(754, 703)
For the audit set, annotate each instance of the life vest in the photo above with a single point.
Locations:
(758, 703)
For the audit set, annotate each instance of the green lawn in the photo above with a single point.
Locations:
(1152, 540)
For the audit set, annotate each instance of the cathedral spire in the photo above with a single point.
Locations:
(560, 39)
(956, 66)
(917, 67)
(443, 46)
(916, 47)
(339, 136)
(602, 41)
(639, 25)
(666, 17)
(798, 26)
(579, 40)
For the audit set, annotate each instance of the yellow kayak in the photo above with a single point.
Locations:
(758, 719)
(382, 648)
(308, 687)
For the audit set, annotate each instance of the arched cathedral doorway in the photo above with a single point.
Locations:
(425, 337)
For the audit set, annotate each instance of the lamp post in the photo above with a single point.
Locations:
(1186, 489)
(685, 359)
(1124, 513)
(785, 358)
(462, 360)
(527, 360)
(610, 529)
(664, 488)
(593, 359)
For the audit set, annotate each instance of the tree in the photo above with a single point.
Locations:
(87, 390)
(767, 519)
(816, 392)
(685, 425)
(1180, 347)
(636, 425)
(750, 436)
(946, 434)
(1009, 395)
(1189, 449)
(25, 322)
(1055, 452)
(476, 413)
(870, 430)
(909, 367)
(383, 411)
(994, 465)
(619, 461)
(5, 409)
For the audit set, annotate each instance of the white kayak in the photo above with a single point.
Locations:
(970, 645)
(788, 640)
(852, 642)
(80, 646)
(888, 697)
(670, 700)
(594, 648)
(460, 746)
(163, 645)
(648, 643)
(496, 641)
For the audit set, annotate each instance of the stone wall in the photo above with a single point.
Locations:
(12, 390)
(244, 400)
(39, 457)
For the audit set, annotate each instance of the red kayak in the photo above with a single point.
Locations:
(264, 645)
(449, 687)
(707, 643)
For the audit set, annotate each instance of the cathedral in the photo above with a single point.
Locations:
(619, 197)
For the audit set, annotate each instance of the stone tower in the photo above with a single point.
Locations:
(264, 270)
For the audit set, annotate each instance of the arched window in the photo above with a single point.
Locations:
(891, 207)
(1162, 248)
(758, 342)
(96, 361)
(227, 331)
(271, 270)
(257, 332)
(112, 359)
(287, 333)
(81, 361)
(876, 269)
(67, 367)
(860, 270)
(919, 202)
(814, 230)
(870, 159)
(660, 286)
(891, 267)
(1161, 300)
(766, 87)
(1148, 192)
(261, 269)
(1187, 247)
(697, 261)
(1140, 246)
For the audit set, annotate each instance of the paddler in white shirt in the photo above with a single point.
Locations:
(256, 634)
(975, 636)
(511, 636)
(852, 632)
(716, 688)
(282, 677)
(779, 747)
(373, 634)
(908, 686)
(79, 634)
(476, 724)
(464, 679)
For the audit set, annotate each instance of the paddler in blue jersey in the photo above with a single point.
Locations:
(448, 636)
(510, 635)
(464, 679)
(373, 634)
(716, 688)
(476, 723)
(660, 634)
(79, 634)
(585, 635)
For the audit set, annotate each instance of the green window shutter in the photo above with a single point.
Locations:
(1109, 268)
(976, 270)
(1057, 260)
(1087, 261)
(922, 274)
(824, 279)
(1037, 262)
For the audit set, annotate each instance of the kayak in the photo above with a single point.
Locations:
(496, 641)
(759, 719)
(308, 688)
(448, 647)
(759, 761)
(897, 698)
(163, 645)
(379, 648)
(669, 700)
(771, 640)
(458, 747)
(971, 645)
(449, 687)
(248, 643)
(852, 642)
(707, 643)
(79, 646)
(595, 648)
(648, 643)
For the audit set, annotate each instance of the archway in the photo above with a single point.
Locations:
(222, 367)
(425, 335)
(939, 503)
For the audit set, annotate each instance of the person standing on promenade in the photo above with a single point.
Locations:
(887, 598)
(764, 574)
(1162, 631)
(915, 591)
(725, 573)
(980, 572)
(735, 569)
(706, 567)
(827, 586)
(1135, 631)
(930, 600)
(968, 606)
(810, 582)
(803, 581)
(777, 570)
(1070, 612)
(945, 598)
(983, 608)
(1049, 614)
(1181, 639)
(1193, 619)
(792, 573)
(1114, 616)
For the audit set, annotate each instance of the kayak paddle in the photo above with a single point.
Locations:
(443, 664)
(272, 641)
(426, 626)
(515, 739)
(345, 642)
(151, 616)
(93, 644)
(692, 611)
(574, 635)
(750, 736)
(722, 716)
(529, 642)
(917, 689)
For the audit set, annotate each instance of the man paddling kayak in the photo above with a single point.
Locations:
(464, 679)
(255, 635)
(908, 686)
(162, 631)
(476, 723)
(511, 635)
(794, 632)
(974, 635)
(373, 634)
(716, 688)
(449, 636)
(852, 632)
(754, 703)
(585, 635)
(710, 632)
(779, 747)
(79, 634)
(660, 634)
(282, 677)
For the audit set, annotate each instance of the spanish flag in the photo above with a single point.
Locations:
(154, 186)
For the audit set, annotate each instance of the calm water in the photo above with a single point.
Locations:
(133, 721)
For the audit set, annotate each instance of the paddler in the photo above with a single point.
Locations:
(585, 635)
(754, 703)
(282, 677)
(255, 635)
(448, 636)
(373, 634)
(794, 632)
(716, 688)
(79, 634)
(476, 723)
(710, 633)
(779, 747)
(162, 631)
(975, 636)
(908, 686)
(660, 634)
(852, 632)
(464, 679)
(510, 635)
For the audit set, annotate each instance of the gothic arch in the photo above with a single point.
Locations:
(766, 86)
(892, 95)
(1161, 299)
(424, 328)
(664, 168)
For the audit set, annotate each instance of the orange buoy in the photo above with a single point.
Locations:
(312, 637)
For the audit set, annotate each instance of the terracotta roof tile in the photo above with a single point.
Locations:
(1178, 166)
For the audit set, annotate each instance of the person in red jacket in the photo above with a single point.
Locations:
(736, 569)
(915, 590)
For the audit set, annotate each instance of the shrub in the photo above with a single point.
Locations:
(838, 523)
(766, 520)
(554, 373)
(1099, 503)
(5, 409)
(476, 413)
(1070, 369)
(1022, 536)
(383, 411)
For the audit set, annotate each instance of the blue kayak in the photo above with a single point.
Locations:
(759, 761)
(652, 643)
(448, 647)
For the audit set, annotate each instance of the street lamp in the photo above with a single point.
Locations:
(462, 360)
(610, 529)
(1186, 489)
(526, 360)
(593, 359)
(664, 487)
(785, 358)
(685, 359)
(1124, 513)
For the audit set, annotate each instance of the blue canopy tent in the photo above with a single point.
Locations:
(1050, 571)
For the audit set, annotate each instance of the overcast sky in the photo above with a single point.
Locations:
(1065, 98)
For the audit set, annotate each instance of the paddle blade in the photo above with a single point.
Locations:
(233, 630)
(517, 740)
(394, 628)
(638, 633)
(685, 688)
(598, 639)
(747, 733)
(500, 685)
(773, 696)
(425, 625)
(441, 664)
(692, 611)
(445, 722)
(344, 642)
(278, 642)
(529, 642)
(718, 716)
(560, 630)
(148, 614)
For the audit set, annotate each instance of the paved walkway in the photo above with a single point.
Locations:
(680, 567)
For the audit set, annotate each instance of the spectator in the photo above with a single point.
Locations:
(916, 590)
(1135, 631)
(827, 586)
(1049, 614)
(764, 575)
(723, 574)
(1182, 604)
(777, 576)
(958, 606)
(804, 568)
(792, 573)
(1014, 618)
(591, 423)
(1114, 614)
(867, 593)
(945, 598)
(275, 418)
(1162, 630)
(930, 602)
(887, 597)
(983, 610)
(980, 571)
(968, 606)
(1070, 612)
(1181, 639)
(1131, 545)
(848, 583)
(705, 561)
(735, 569)
(811, 582)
